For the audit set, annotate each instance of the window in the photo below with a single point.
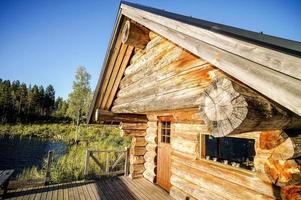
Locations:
(237, 152)
(165, 131)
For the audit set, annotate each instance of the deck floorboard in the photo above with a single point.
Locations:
(118, 188)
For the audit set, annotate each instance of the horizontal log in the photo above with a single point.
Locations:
(164, 59)
(153, 35)
(154, 42)
(263, 79)
(135, 126)
(150, 156)
(193, 79)
(151, 130)
(136, 168)
(283, 172)
(217, 185)
(227, 174)
(134, 35)
(132, 132)
(104, 115)
(186, 68)
(136, 159)
(191, 128)
(185, 146)
(137, 151)
(291, 192)
(152, 124)
(260, 159)
(149, 176)
(228, 107)
(137, 55)
(270, 139)
(151, 167)
(135, 175)
(151, 139)
(139, 141)
(194, 190)
(186, 98)
(289, 148)
(271, 58)
(150, 55)
(194, 137)
(178, 194)
(185, 156)
(151, 147)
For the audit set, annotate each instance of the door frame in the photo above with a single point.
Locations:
(161, 119)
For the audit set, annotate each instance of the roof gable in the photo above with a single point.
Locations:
(271, 66)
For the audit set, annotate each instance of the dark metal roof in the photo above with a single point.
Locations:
(272, 42)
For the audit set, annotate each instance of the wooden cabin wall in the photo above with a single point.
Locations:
(137, 132)
(197, 178)
(162, 76)
(165, 80)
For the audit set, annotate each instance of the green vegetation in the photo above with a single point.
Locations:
(20, 103)
(71, 165)
(33, 111)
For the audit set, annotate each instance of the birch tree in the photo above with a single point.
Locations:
(79, 98)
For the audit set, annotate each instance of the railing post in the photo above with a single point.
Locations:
(107, 163)
(48, 169)
(86, 172)
(126, 165)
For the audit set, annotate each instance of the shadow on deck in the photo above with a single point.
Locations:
(115, 188)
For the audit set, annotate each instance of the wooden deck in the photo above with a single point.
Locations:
(115, 188)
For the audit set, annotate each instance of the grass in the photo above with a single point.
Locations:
(70, 166)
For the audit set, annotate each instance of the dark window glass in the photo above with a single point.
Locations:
(233, 151)
(165, 132)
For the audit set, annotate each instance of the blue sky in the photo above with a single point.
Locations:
(43, 42)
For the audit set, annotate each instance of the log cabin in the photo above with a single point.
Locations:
(213, 111)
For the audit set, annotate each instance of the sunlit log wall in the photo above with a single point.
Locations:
(163, 79)
(137, 132)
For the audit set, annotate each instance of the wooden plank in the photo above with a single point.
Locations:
(107, 74)
(119, 77)
(275, 60)
(140, 193)
(80, 192)
(92, 187)
(271, 83)
(114, 73)
(123, 190)
(65, 192)
(102, 190)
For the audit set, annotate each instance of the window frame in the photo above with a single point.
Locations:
(202, 152)
(167, 129)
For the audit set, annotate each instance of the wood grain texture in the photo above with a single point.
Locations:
(134, 35)
(275, 60)
(269, 82)
(228, 107)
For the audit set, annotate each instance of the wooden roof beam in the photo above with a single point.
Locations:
(273, 83)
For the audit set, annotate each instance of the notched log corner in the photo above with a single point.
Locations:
(230, 108)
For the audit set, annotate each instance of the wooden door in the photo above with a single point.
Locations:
(164, 154)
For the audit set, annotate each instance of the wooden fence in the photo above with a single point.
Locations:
(108, 162)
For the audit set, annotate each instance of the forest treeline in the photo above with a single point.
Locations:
(21, 103)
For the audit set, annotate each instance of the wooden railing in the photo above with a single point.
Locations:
(108, 162)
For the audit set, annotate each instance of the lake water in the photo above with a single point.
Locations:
(24, 152)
